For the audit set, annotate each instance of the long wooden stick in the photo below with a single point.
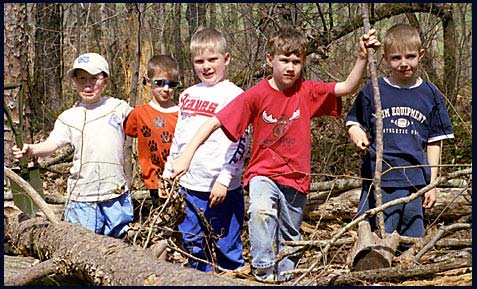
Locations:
(35, 196)
(379, 124)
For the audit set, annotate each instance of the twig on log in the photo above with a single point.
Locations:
(29, 275)
(442, 231)
(453, 199)
(174, 247)
(42, 205)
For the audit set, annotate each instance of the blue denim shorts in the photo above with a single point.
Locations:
(108, 218)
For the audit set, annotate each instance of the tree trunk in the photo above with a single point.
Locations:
(128, 164)
(179, 52)
(450, 52)
(102, 260)
(47, 99)
(15, 70)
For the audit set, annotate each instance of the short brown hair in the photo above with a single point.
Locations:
(208, 38)
(287, 41)
(400, 37)
(163, 64)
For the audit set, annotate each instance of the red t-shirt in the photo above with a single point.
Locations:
(154, 128)
(281, 140)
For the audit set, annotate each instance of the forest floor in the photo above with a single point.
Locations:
(335, 262)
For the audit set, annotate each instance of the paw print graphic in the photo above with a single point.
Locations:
(166, 137)
(164, 154)
(146, 131)
(158, 172)
(155, 160)
(152, 146)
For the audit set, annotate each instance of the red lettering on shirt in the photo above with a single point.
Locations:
(198, 107)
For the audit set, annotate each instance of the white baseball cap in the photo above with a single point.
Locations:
(93, 63)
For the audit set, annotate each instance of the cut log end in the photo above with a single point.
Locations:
(369, 259)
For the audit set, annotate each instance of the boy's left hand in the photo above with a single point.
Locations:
(218, 194)
(368, 40)
(429, 199)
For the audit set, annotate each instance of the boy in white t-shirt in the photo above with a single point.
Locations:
(213, 184)
(98, 194)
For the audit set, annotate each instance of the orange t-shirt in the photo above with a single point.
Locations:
(154, 127)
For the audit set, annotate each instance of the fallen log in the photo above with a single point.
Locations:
(337, 186)
(100, 259)
(393, 274)
(30, 275)
(451, 204)
(429, 241)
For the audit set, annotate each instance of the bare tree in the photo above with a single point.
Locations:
(47, 92)
(15, 70)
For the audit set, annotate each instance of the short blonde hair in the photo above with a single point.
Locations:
(402, 37)
(163, 64)
(208, 38)
(287, 41)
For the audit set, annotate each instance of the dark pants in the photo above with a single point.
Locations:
(226, 221)
(406, 219)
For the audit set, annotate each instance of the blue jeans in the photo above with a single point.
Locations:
(226, 222)
(108, 218)
(406, 219)
(275, 215)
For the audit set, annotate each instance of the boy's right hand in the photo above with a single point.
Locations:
(368, 40)
(19, 153)
(180, 167)
(358, 137)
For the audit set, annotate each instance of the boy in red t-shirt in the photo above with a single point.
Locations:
(280, 109)
(154, 123)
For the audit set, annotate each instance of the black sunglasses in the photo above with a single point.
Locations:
(163, 82)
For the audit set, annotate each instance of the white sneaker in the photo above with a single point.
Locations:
(264, 275)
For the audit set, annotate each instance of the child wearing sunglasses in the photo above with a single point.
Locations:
(212, 187)
(153, 123)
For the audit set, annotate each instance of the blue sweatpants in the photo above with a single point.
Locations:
(406, 219)
(225, 220)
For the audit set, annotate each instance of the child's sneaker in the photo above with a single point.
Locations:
(264, 275)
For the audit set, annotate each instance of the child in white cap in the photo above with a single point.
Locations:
(98, 194)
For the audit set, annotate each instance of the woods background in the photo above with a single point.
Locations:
(41, 41)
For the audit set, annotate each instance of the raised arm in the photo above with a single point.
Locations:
(351, 84)
(182, 163)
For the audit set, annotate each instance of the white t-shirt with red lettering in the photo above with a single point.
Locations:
(218, 159)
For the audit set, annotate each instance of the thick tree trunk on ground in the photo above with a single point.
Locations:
(393, 274)
(101, 260)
